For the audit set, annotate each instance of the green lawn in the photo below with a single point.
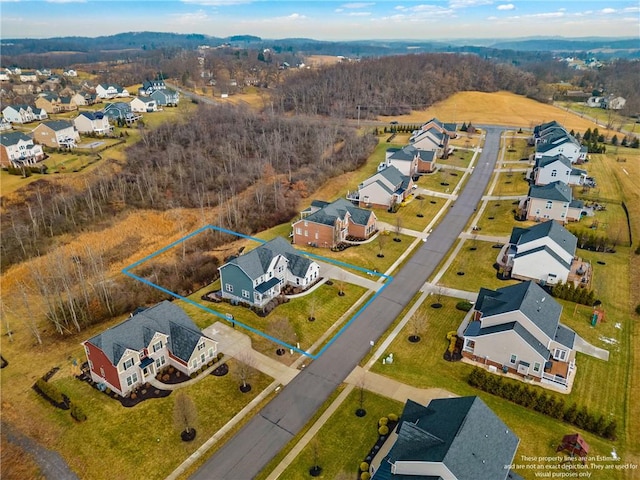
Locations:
(421, 365)
(459, 158)
(517, 148)
(327, 305)
(498, 218)
(477, 266)
(345, 440)
(610, 223)
(153, 447)
(511, 183)
(428, 206)
(434, 181)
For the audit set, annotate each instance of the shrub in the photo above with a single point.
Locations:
(383, 430)
(464, 306)
(50, 391)
(392, 417)
(365, 476)
(638, 309)
(220, 355)
(77, 413)
(383, 421)
(165, 377)
(133, 396)
(364, 467)
(107, 391)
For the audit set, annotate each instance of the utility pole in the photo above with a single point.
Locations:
(358, 116)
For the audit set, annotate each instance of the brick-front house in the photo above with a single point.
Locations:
(553, 201)
(544, 253)
(17, 149)
(125, 356)
(457, 438)
(326, 224)
(56, 134)
(386, 188)
(258, 276)
(517, 329)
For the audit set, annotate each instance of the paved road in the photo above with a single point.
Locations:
(249, 451)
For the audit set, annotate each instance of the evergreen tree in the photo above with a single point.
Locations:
(614, 140)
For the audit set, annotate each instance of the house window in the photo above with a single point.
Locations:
(245, 293)
(536, 367)
(228, 287)
(306, 233)
(298, 231)
(202, 358)
(160, 361)
(306, 224)
(549, 205)
(559, 354)
(211, 352)
(513, 359)
(554, 173)
(157, 346)
(90, 364)
(280, 267)
(316, 235)
(194, 363)
(132, 379)
(200, 345)
(127, 363)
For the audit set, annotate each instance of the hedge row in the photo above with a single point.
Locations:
(549, 405)
(566, 291)
(53, 395)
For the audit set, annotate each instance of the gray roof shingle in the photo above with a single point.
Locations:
(136, 332)
(462, 433)
(552, 191)
(329, 213)
(556, 232)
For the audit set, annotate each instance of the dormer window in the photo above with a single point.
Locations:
(157, 346)
(127, 363)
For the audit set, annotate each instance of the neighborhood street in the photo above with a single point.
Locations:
(248, 452)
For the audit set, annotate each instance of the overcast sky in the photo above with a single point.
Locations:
(322, 20)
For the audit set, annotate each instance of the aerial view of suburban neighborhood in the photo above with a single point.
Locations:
(296, 240)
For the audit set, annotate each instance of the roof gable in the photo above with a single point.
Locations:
(553, 230)
(13, 138)
(330, 212)
(552, 191)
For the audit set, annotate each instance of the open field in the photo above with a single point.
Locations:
(604, 117)
(500, 108)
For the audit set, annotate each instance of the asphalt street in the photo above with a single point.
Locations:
(251, 449)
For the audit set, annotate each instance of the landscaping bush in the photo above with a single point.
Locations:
(77, 413)
(638, 309)
(364, 467)
(541, 402)
(383, 421)
(383, 430)
(365, 476)
(52, 394)
(464, 306)
(392, 417)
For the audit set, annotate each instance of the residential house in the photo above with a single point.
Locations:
(410, 160)
(613, 103)
(143, 105)
(43, 72)
(79, 100)
(120, 111)
(125, 356)
(456, 438)
(111, 91)
(557, 169)
(260, 275)
(555, 140)
(50, 102)
(431, 140)
(544, 253)
(517, 329)
(20, 114)
(594, 102)
(386, 188)
(18, 149)
(326, 224)
(4, 125)
(150, 86)
(92, 122)
(553, 201)
(4, 76)
(70, 73)
(448, 129)
(39, 114)
(28, 76)
(166, 97)
(56, 134)
(25, 88)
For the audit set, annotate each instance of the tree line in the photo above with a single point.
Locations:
(394, 85)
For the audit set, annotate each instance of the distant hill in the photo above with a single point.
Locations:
(569, 45)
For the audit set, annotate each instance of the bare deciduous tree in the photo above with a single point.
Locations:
(245, 369)
(185, 414)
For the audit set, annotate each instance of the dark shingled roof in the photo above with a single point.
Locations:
(546, 160)
(473, 331)
(57, 125)
(534, 302)
(553, 191)
(330, 212)
(462, 433)
(256, 262)
(556, 232)
(136, 332)
(565, 336)
(12, 138)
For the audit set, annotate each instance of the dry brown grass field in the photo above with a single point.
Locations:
(499, 108)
